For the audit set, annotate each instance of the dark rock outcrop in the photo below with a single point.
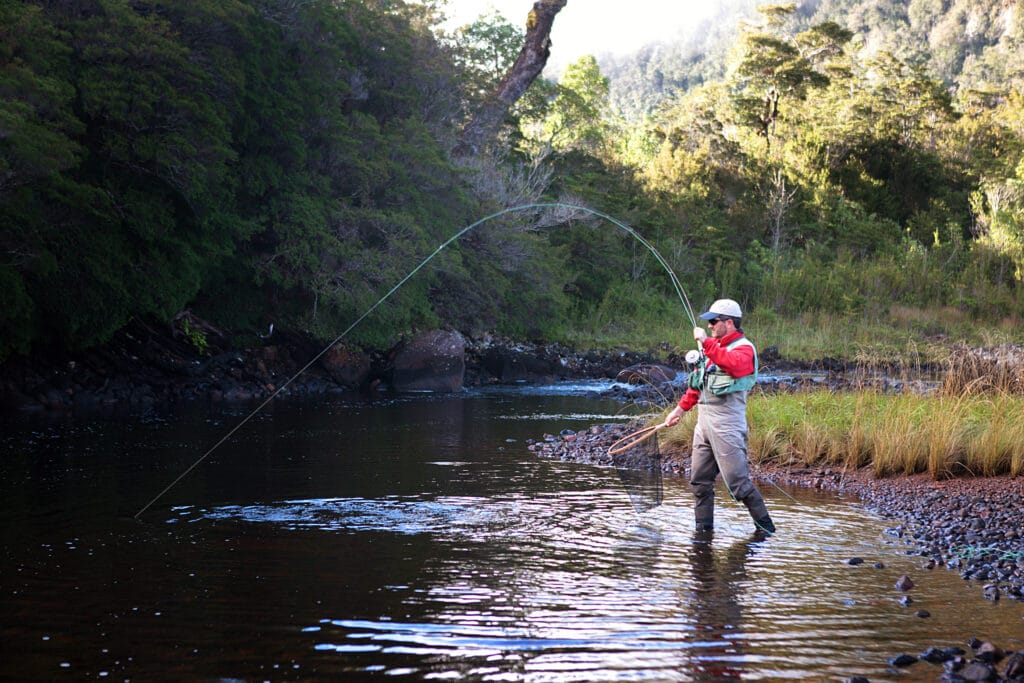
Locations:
(430, 361)
(507, 365)
(349, 367)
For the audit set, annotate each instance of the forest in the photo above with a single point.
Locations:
(257, 162)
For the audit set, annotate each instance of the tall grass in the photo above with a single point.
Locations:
(939, 435)
(971, 371)
(944, 436)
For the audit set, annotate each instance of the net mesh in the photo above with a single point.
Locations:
(639, 470)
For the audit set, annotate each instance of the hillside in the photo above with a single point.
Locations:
(974, 44)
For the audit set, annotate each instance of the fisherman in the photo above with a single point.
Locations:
(719, 389)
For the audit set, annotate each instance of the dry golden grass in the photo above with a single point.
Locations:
(908, 434)
(893, 434)
(998, 370)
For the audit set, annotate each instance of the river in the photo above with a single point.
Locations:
(419, 539)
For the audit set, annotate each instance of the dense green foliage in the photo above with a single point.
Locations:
(256, 161)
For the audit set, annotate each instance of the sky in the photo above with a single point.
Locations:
(595, 26)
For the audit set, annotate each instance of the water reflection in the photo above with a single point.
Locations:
(451, 516)
(420, 539)
(718, 581)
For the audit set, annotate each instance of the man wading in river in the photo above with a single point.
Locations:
(719, 389)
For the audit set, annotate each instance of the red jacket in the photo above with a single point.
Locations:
(737, 363)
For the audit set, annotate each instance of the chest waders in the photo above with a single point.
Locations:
(720, 444)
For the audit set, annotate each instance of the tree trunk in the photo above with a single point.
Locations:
(483, 126)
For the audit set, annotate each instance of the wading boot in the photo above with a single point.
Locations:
(765, 524)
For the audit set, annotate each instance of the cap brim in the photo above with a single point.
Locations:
(709, 315)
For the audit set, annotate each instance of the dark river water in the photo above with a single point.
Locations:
(419, 539)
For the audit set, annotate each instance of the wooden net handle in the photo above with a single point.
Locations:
(630, 440)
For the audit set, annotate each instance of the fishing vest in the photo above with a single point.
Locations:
(721, 383)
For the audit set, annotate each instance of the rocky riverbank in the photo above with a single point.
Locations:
(148, 365)
(974, 526)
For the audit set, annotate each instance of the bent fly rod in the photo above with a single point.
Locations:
(680, 292)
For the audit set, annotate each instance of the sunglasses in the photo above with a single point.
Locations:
(715, 321)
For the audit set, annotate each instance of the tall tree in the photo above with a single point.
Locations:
(578, 115)
(775, 64)
(533, 56)
(487, 49)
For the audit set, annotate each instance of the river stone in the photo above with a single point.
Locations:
(989, 652)
(978, 671)
(1015, 665)
(903, 660)
(953, 665)
(430, 361)
(904, 583)
(935, 655)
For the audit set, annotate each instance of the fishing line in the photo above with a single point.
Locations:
(542, 205)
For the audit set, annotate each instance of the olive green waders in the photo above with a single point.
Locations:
(720, 447)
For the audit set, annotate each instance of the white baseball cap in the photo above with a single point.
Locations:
(726, 307)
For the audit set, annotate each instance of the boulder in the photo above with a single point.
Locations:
(430, 361)
(347, 366)
(510, 365)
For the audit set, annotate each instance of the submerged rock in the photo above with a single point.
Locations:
(903, 660)
(936, 655)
